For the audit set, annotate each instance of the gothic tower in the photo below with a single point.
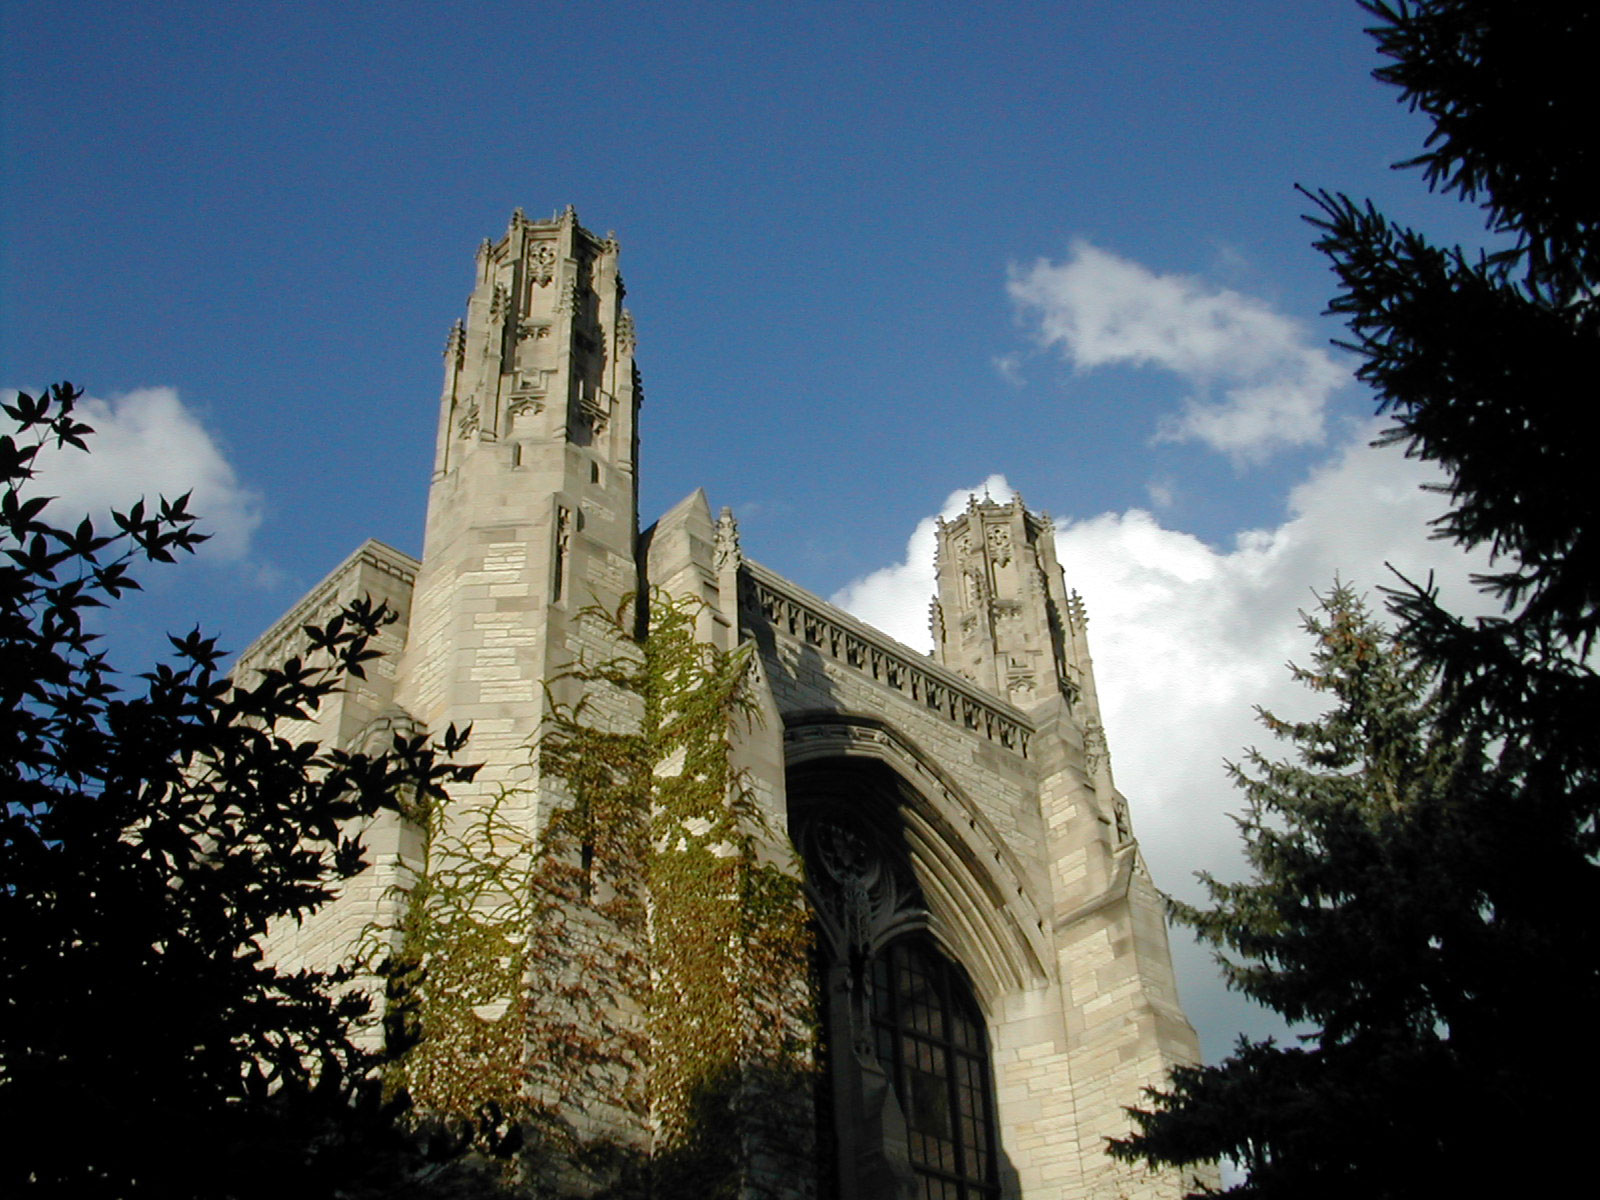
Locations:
(999, 616)
(1004, 619)
(532, 512)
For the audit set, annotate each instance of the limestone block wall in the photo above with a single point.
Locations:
(1067, 944)
(480, 641)
(1125, 1028)
(364, 712)
(378, 572)
(499, 620)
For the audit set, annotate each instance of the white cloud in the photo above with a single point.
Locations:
(147, 444)
(1101, 310)
(1187, 638)
(1009, 368)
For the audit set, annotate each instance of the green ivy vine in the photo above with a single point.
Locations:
(621, 1005)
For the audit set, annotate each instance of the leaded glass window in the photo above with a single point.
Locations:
(928, 1035)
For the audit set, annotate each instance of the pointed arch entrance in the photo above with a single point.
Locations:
(906, 1104)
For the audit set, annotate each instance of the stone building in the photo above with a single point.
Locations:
(995, 975)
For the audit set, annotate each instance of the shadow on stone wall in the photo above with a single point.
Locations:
(864, 1150)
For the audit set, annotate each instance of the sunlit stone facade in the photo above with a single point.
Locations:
(994, 972)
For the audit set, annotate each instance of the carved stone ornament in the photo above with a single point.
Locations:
(973, 589)
(542, 264)
(571, 296)
(727, 553)
(595, 410)
(863, 899)
(1000, 544)
(1020, 679)
(860, 891)
(1077, 613)
(455, 346)
(1096, 753)
(379, 734)
(526, 403)
(468, 425)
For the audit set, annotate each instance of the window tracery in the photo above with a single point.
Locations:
(908, 1095)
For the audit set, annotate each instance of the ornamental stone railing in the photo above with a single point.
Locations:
(766, 597)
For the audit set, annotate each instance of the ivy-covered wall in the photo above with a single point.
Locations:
(619, 1005)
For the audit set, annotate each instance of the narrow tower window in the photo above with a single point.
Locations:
(558, 576)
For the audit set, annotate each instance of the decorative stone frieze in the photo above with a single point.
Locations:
(796, 614)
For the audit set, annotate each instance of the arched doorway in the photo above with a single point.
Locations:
(906, 1106)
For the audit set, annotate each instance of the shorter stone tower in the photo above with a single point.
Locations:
(1000, 614)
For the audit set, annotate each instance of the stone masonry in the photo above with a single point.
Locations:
(981, 772)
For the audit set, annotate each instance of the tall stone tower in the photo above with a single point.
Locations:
(533, 503)
(1004, 619)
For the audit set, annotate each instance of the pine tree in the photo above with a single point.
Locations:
(1446, 956)
(1487, 365)
(1354, 925)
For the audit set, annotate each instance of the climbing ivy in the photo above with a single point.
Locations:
(454, 1014)
(641, 965)
(729, 938)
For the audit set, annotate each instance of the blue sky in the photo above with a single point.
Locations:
(877, 255)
